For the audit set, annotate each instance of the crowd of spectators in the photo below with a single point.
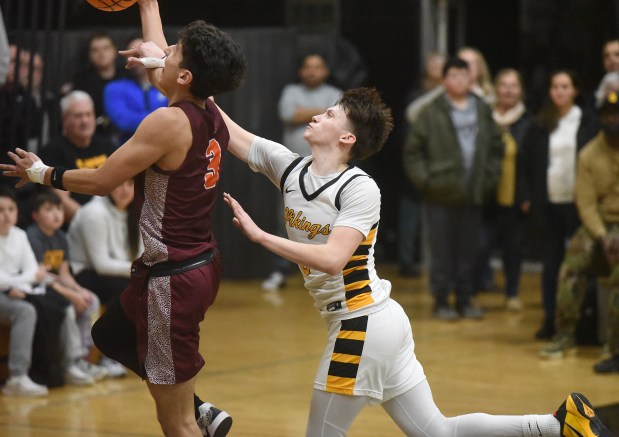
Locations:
(480, 165)
(485, 168)
(65, 256)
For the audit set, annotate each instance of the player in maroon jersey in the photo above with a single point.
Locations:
(174, 157)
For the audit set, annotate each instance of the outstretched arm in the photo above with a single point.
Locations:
(152, 28)
(328, 258)
(152, 34)
(240, 139)
(156, 137)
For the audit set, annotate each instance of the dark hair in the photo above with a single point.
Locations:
(370, 120)
(6, 191)
(45, 196)
(549, 116)
(215, 60)
(454, 62)
(100, 34)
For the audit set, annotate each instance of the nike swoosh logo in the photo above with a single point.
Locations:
(288, 190)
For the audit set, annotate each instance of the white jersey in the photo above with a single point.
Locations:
(314, 206)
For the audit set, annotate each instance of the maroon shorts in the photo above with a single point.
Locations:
(167, 307)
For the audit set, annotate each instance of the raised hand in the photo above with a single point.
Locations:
(145, 50)
(242, 220)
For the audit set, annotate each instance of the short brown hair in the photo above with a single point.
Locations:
(370, 119)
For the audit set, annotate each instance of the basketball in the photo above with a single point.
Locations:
(111, 5)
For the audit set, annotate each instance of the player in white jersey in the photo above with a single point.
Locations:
(332, 212)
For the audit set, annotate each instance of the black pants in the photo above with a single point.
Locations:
(107, 288)
(47, 366)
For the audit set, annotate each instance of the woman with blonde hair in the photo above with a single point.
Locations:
(480, 74)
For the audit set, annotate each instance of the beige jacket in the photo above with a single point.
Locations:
(597, 186)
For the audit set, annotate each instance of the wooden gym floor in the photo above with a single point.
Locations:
(262, 351)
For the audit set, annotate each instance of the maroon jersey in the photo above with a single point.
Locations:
(175, 206)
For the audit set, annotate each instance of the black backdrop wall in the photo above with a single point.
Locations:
(534, 36)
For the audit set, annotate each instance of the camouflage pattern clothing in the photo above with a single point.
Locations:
(585, 257)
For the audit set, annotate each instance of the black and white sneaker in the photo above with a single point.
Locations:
(213, 422)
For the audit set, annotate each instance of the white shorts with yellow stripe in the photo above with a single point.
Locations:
(372, 355)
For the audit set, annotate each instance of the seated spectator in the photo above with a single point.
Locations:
(78, 146)
(103, 241)
(53, 318)
(17, 266)
(127, 101)
(103, 67)
(594, 248)
(50, 247)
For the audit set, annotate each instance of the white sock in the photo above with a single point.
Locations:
(535, 425)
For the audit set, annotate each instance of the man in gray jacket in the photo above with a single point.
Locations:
(453, 156)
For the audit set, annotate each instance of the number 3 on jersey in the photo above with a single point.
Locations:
(213, 154)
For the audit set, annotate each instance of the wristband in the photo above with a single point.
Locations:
(36, 173)
(56, 178)
(153, 62)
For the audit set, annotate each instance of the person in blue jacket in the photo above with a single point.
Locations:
(128, 100)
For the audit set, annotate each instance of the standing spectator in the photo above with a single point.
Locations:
(597, 201)
(610, 61)
(21, 114)
(50, 247)
(453, 157)
(410, 200)
(4, 51)
(43, 99)
(127, 101)
(22, 120)
(431, 85)
(298, 103)
(78, 146)
(481, 79)
(551, 148)
(104, 239)
(17, 266)
(481, 86)
(102, 68)
(610, 55)
(508, 209)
